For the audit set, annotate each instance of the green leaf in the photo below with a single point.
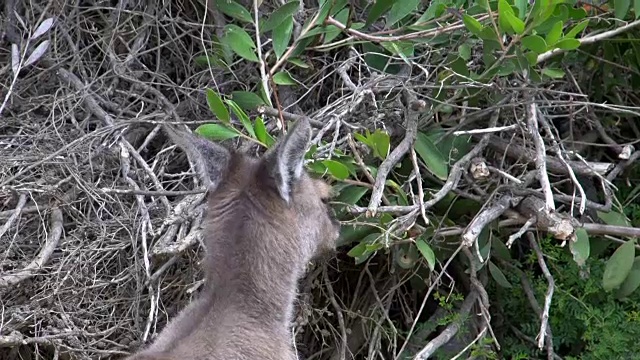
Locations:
(380, 143)
(403, 49)
(299, 63)
(464, 51)
(473, 25)
(204, 60)
(284, 12)
(522, 8)
(535, 43)
(451, 147)
(613, 218)
(542, 10)
(553, 73)
(400, 9)
(351, 194)
(619, 265)
(507, 68)
(244, 118)
(621, 8)
(337, 169)
(498, 276)
(432, 157)
(240, 42)
(283, 78)
(554, 34)
(261, 132)
(427, 253)
(331, 31)
(351, 233)
(504, 9)
(435, 9)
(631, 283)
(581, 247)
(378, 9)
(636, 8)
(406, 256)
(216, 132)
(337, 6)
(402, 195)
(217, 106)
(516, 24)
(365, 248)
(234, 10)
(500, 249)
(532, 58)
(246, 100)
(577, 29)
(281, 37)
(568, 44)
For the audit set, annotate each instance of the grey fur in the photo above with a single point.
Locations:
(210, 159)
(286, 160)
(259, 236)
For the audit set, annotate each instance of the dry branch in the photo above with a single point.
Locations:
(55, 232)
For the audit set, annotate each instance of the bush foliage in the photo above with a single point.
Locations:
(482, 154)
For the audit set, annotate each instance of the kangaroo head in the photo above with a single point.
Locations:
(278, 179)
(298, 191)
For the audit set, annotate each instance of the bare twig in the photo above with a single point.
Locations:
(413, 112)
(43, 256)
(14, 215)
(590, 40)
(540, 158)
(547, 299)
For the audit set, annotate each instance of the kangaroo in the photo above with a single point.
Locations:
(266, 219)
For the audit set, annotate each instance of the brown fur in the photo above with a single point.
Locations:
(263, 226)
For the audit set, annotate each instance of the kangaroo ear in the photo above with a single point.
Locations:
(210, 159)
(285, 160)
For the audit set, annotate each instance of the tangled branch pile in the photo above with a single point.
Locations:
(449, 146)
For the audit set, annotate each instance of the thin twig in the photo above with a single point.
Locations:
(547, 299)
(590, 40)
(413, 112)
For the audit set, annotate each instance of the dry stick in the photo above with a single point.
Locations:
(602, 229)
(451, 330)
(557, 149)
(590, 228)
(553, 164)
(483, 297)
(152, 193)
(515, 236)
(15, 213)
(264, 77)
(452, 180)
(25, 210)
(415, 107)
(363, 166)
(126, 151)
(43, 256)
(424, 302)
(590, 40)
(288, 116)
(547, 299)
(483, 218)
(540, 158)
(418, 34)
(58, 152)
(623, 165)
(293, 46)
(336, 306)
(416, 168)
(528, 290)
